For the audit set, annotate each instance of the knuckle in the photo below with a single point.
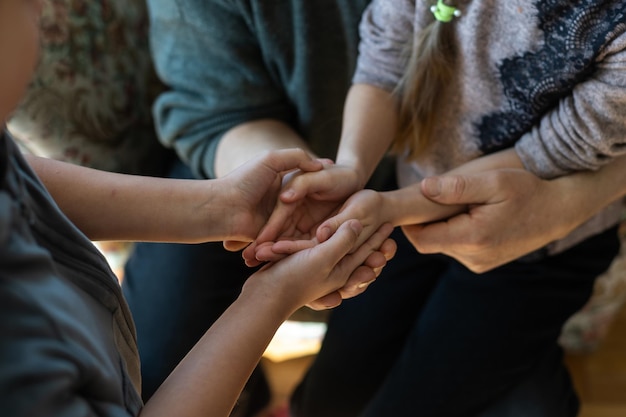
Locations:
(456, 186)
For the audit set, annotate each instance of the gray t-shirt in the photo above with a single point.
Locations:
(67, 344)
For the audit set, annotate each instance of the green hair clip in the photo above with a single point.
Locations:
(443, 12)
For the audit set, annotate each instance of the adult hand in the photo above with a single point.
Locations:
(511, 213)
(254, 189)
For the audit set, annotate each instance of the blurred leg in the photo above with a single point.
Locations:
(479, 336)
(365, 335)
(546, 392)
(430, 338)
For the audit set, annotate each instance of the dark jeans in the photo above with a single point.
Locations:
(430, 338)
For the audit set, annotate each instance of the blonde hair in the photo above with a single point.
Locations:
(422, 89)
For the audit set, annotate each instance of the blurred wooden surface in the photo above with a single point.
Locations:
(600, 377)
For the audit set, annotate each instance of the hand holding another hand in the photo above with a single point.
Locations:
(511, 213)
(255, 187)
(323, 275)
(304, 203)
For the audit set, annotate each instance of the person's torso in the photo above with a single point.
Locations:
(66, 323)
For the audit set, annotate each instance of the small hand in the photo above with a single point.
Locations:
(365, 206)
(366, 273)
(323, 275)
(306, 200)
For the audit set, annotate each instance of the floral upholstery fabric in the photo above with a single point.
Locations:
(90, 100)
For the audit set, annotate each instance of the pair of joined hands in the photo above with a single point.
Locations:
(282, 216)
(318, 197)
(311, 206)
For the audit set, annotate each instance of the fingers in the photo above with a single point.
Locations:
(358, 282)
(276, 223)
(457, 189)
(289, 159)
(234, 245)
(338, 245)
(328, 228)
(303, 185)
(367, 273)
(272, 252)
(439, 237)
(355, 265)
(389, 249)
(326, 302)
(436, 233)
(332, 183)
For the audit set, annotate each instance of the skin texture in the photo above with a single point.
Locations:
(464, 213)
(484, 238)
(193, 211)
(315, 204)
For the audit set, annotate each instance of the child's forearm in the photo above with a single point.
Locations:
(211, 376)
(504, 159)
(369, 125)
(408, 206)
(110, 206)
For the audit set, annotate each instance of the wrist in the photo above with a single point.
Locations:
(268, 296)
(361, 174)
(212, 216)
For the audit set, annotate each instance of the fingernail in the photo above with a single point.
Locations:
(365, 284)
(431, 186)
(356, 226)
(324, 234)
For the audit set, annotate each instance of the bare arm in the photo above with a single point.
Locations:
(209, 379)
(246, 141)
(110, 206)
(402, 207)
(370, 119)
(369, 125)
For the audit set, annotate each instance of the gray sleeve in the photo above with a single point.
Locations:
(588, 128)
(207, 55)
(385, 28)
(41, 371)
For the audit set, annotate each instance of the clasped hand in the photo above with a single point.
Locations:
(311, 207)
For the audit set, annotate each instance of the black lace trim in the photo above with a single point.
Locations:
(575, 33)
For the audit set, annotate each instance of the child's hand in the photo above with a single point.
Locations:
(305, 201)
(365, 274)
(367, 206)
(323, 275)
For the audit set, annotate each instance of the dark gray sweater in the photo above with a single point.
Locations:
(67, 344)
(231, 61)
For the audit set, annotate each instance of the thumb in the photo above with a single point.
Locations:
(456, 189)
(340, 243)
(287, 159)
